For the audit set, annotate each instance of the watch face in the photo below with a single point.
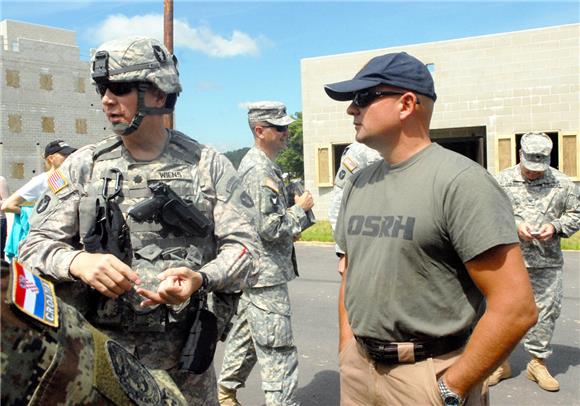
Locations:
(451, 400)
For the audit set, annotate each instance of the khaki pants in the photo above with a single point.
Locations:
(363, 382)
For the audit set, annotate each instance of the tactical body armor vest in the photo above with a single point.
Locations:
(154, 248)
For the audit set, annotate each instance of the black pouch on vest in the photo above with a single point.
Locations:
(199, 349)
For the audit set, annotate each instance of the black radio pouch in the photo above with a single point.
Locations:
(199, 349)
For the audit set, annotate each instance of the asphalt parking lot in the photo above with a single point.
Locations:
(314, 299)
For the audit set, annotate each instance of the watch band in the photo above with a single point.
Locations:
(449, 397)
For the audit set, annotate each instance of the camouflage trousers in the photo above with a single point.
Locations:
(263, 333)
(162, 351)
(547, 286)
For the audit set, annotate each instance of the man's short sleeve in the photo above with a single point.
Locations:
(34, 188)
(477, 213)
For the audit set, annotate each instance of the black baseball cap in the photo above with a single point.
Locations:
(58, 146)
(398, 69)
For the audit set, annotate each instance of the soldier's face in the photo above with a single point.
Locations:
(530, 175)
(122, 109)
(276, 137)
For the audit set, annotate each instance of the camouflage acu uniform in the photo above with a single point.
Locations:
(354, 158)
(552, 199)
(263, 329)
(71, 363)
(196, 173)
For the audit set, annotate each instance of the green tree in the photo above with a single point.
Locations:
(291, 160)
(236, 156)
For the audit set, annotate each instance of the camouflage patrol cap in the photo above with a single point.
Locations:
(535, 151)
(270, 112)
(136, 59)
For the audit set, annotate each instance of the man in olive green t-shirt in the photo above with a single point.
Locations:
(427, 235)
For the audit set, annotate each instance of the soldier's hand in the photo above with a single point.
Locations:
(525, 232)
(105, 273)
(546, 232)
(177, 285)
(305, 201)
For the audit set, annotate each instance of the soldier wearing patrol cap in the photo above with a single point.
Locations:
(52, 355)
(546, 206)
(263, 330)
(355, 157)
(151, 207)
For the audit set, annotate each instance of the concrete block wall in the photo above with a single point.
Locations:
(32, 51)
(510, 83)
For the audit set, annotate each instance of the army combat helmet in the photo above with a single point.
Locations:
(141, 61)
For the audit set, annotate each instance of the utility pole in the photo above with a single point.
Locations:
(168, 41)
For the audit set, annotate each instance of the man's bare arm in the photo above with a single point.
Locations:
(501, 276)
(344, 330)
(12, 204)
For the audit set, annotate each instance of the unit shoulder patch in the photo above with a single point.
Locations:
(34, 296)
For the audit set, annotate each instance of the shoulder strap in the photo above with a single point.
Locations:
(185, 148)
(104, 149)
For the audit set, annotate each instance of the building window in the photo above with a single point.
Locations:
(80, 85)
(15, 123)
(81, 125)
(48, 124)
(17, 170)
(45, 81)
(12, 78)
(565, 154)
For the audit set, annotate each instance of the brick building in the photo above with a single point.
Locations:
(46, 94)
(491, 89)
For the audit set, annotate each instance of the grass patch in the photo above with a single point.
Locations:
(572, 243)
(320, 231)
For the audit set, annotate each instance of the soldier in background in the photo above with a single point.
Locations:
(354, 158)
(546, 206)
(138, 82)
(263, 330)
(49, 360)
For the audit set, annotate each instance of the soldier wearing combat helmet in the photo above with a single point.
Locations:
(149, 219)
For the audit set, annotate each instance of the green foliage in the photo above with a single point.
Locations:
(572, 243)
(320, 231)
(291, 160)
(236, 156)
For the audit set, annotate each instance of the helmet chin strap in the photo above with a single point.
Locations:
(124, 129)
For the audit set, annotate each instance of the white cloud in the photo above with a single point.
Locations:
(201, 39)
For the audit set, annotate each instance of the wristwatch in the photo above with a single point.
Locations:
(449, 397)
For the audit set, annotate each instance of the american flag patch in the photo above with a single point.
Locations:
(349, 164)
(34, 295)
(56, 181)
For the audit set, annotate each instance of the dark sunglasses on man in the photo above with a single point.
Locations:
(117, 88)
(366, 97)
(278, 128)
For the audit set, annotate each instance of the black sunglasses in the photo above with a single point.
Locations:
(366, 97)
(279, 128)
(117, 88)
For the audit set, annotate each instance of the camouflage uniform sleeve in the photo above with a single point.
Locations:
(234, 267)
(569, 221)
(53, 240)
(274, 220)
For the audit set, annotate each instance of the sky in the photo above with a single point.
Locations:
(237, 52)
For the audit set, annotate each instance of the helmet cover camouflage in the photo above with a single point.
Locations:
(136, 59)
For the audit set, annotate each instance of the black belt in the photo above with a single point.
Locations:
(388, 352)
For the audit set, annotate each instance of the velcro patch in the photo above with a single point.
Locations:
(34, 296)
(57, 181)
(271, 184)
(349, 164)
